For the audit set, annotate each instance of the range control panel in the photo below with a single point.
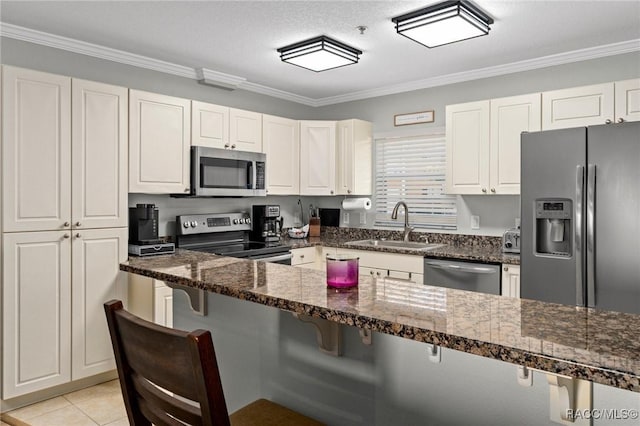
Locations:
(215, 222)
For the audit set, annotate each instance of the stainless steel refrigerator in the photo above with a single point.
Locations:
(580, 202)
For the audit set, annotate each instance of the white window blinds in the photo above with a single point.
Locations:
(413, 170)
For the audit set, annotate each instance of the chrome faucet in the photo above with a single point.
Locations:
(394, 216)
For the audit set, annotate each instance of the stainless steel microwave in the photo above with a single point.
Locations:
(217, 172)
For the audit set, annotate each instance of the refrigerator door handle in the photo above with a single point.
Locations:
(591, 217)
(578, 235)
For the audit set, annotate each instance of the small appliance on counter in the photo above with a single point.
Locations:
(143, 232)
(330, 217)
(511, 241)
(267, 223)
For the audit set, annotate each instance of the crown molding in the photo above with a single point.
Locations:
(123, 57)
(510, 68)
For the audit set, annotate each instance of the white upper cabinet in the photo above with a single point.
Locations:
(245, 130)
(483, 143)
(353, 157)
(578, 106)
(627, 100)
(209, 125)
(159, 141)
(467, 139)
(281, 143)
(36, 150)
(509, 118)
(317, 157)
(100, 149)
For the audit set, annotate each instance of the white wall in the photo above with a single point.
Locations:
(497, 213)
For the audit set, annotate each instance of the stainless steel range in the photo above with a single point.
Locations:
(227, 234)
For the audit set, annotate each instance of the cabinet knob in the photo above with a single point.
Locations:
(331, 192)
(65, 224)
(186, 190)
(607, 121)
(78, 235)
(620, 120)
(505, 269)
(493, 190)
(226, 145)
(484, 190)
(233, 146)
(65, 236)
(371, 272)
(378, 273)
(348, 191)
(78, 224)
(302, 256)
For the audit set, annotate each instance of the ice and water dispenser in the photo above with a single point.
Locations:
(554, 222)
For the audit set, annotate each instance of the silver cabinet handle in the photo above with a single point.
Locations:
(65, 236)
(331, 191)
(493, 190)
(348, 191)
(233, 146)
(620, 120)
(371, 272)
(226, 145)
(607, 121)
(484, 190)
(78, 235)
(66, 224)
(78, 224)
(302, 256)
(505, 269)
(591, 219)
(186, 190)
(578, 234)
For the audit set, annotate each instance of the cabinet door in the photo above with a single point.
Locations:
(281, 143)
(627, 100)
(317, 157)
(245, 130)
(578, 106)
(511, 280)
(100, 151)
(467, 134)
(209, 125)
(163, 304)
(36, 311)
(159, 140)
(36, 150)
(304, 256)
(96, 278)
(509, 118)
(353, 157)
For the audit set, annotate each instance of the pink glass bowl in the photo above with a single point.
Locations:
(342, 270)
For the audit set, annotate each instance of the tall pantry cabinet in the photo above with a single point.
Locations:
(64, 226)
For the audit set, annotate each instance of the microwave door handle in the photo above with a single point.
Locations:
(254, 177)
(251, 175)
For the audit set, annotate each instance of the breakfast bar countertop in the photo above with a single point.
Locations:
(599, 346)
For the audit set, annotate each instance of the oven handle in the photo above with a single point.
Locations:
(472, 269)
(270, 258)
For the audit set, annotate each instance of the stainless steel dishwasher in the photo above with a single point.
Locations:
(480, 277)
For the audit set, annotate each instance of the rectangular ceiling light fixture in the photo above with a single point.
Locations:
(319, 54)
(443, 23)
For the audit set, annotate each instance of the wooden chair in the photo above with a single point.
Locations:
(150, 357)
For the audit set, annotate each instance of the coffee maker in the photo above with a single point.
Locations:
(143, 224)
(267, 223)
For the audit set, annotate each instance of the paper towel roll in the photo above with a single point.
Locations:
(356, 204)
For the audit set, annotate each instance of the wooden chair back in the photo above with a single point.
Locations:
(150, 357)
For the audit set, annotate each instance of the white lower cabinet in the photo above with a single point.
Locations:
(511, 280)
(304, 257)
(151, 300)
(54, 285)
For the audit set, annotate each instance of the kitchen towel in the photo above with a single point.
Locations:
(356, 204)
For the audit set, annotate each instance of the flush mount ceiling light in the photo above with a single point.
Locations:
(319, 54)
(443, 23)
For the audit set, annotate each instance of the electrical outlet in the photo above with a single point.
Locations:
(363, 218)
(345, 217)
(475, 222)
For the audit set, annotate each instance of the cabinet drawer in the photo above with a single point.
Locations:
(304, 255)
(392, 261)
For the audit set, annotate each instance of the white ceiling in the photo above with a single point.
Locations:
(241, 37)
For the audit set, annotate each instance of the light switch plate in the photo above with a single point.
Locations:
(363, 218)
(345, 217)
(475, 222)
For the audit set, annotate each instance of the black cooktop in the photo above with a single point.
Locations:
(252, 249)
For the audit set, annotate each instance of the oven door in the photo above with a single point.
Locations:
(227, 173)
(282, 258)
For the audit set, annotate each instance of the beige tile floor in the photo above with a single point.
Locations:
(98, 405)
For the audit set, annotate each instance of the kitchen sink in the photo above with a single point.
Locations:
(407, 245)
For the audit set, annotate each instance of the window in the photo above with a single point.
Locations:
(413, 170)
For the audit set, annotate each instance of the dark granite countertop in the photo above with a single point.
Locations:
(599, 346)
(460, 247)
